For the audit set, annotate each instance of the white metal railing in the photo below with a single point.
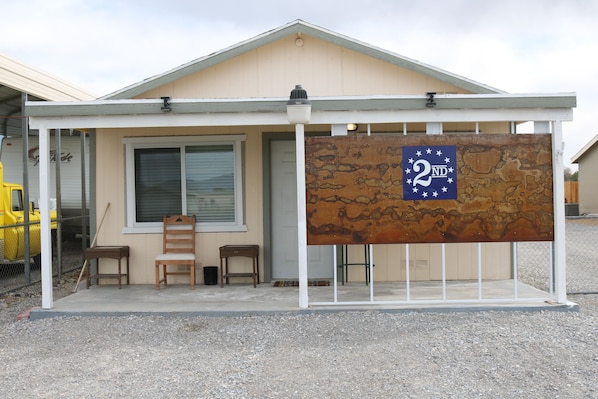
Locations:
(513, 297)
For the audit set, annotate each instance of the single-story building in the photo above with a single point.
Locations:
(212, 138)
(587, 161)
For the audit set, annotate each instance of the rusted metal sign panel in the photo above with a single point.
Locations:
(424, 188)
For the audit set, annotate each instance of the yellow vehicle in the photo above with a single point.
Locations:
(12, 217)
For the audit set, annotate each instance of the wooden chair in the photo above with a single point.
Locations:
(178, 248)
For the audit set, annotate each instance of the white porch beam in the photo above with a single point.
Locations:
(318, 117)
(160, 120)
(44, 208)
(441, 115)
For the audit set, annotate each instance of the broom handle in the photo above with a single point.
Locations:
(93, 242)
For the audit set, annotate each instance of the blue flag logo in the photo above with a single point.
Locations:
(429, 172)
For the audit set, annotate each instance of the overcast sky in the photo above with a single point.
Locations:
(519, 46)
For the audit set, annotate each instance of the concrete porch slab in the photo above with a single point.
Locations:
(243, 299)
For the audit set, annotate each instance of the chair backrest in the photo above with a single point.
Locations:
(179, 234)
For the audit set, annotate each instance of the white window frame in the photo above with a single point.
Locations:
(133, 143)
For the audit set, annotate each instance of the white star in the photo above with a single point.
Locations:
(415, 189)
(451, 170)
(411, 160)
(439, 152)
(449, 180)
(429, 151)
(447, 160)
(409, 181)
(418, 153)
(425, 194)
(407, 171)
(444, 189)
(435, 194)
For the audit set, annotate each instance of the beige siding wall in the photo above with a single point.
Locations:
(414, 128)
(144, 247)
(425, 262)
(321, 67)
(588, 189)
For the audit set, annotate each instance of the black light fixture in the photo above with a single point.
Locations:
(298, 106)
(166, 106)
(430, 103)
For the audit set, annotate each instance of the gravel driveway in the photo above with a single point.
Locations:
(547, 354)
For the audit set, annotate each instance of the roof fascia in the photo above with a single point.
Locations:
(396, 59)
(204, 62)
(303, 27)
(576, 158)
(344, 103)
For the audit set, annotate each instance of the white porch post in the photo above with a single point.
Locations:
(44, 208)
(301, 215)
(560, 256)
(299, 113)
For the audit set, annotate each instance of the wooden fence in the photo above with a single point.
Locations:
(571, 192)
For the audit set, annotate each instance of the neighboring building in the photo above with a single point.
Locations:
(221, 147)
(587, 159)
(17, 80)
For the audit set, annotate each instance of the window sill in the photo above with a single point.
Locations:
(198, 229)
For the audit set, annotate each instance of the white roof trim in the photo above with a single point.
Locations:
(586, 148)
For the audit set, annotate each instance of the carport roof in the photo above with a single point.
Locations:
(17, 78)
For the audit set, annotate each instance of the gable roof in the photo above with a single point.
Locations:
(577, 157)
(294, 28)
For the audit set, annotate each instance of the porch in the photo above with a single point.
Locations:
(243, 299)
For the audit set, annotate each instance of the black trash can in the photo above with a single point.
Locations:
(210, 275)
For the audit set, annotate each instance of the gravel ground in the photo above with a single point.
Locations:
(334, 355)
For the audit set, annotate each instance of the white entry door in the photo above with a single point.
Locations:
(283, 200)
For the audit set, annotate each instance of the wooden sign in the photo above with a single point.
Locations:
(429, 188)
